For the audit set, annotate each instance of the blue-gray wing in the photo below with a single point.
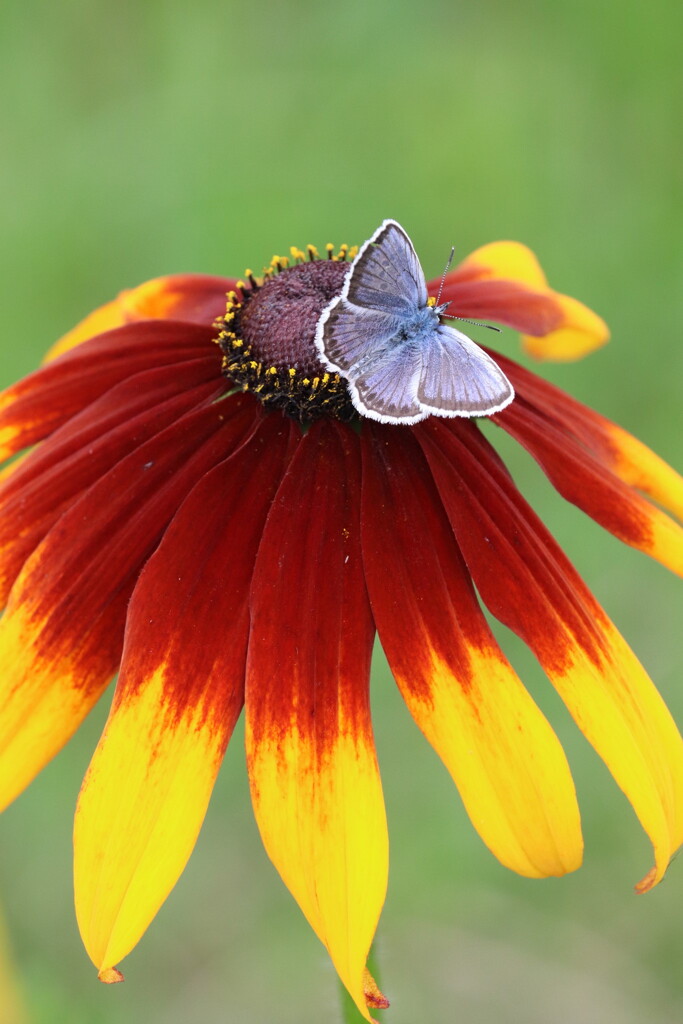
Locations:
(386, 274)
(458, 378)
(387, 389)
(346, 335)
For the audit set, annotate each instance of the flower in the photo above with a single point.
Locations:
(202, 542)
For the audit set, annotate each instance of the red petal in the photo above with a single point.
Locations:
(35, 406)
(53, 475)
(504, 281)
(492, 539)
(504, 302)
(202, 631)
(589, 484)
(528, 583)
(312, 765)
(500, 750)
(612, 446)
(179, 693)
(62, 632)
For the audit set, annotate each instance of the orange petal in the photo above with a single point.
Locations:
(312, 766)
(193, 298)
(504, 281)
(504, 757)
(179, 694)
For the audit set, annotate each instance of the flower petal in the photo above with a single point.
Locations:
(527, 582)
(51, 476)
(504, 757)
(503, 281)
(179, 694)
(192, 298)
(614, 448)
(38, 404)
(61, 635)
(312, 765)
(581, 479)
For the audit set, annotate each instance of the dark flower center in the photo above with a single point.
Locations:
(268, 332)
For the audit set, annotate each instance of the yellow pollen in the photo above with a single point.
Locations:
(431, 301)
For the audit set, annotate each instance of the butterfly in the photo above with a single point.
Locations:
(400, 362)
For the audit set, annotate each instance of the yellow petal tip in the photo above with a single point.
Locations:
(110, 975)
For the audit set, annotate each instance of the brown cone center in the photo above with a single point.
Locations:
(278, 321)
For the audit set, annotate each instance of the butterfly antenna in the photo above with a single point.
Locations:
(443, 276)
(476, 323)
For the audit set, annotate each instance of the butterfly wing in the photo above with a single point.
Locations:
(398, 369)
(385, 287)
(346, 335)
(386, 274)
(386, 391)
(458, 378)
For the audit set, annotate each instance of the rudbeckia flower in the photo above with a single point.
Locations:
(200, 509)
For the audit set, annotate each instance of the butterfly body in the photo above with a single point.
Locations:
(401, 363)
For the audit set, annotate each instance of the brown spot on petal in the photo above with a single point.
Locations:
(373, 997)
(646, 883)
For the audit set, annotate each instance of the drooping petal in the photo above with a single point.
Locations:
(312, 765)
(180, 691)
(62, 632)
(624, 455)
(583, 480)
(36, 405)
(527, 582)
(192, 298)
(504, 282)
(51, 476)
(504, 757)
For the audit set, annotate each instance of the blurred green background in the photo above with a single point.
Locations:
(140, 139)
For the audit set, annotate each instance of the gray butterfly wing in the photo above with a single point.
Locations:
(386, 274)
(458, 378)
(386, 390)
(347, 334)
(385, 286)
